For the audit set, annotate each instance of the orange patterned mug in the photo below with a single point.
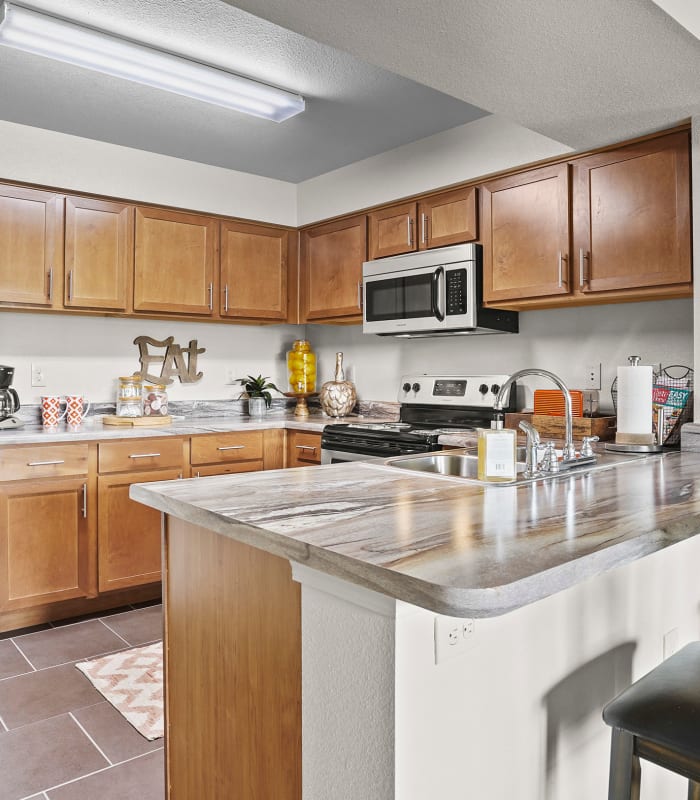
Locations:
(75, 414)
(51, 411)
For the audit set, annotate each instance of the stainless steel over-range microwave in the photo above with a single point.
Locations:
(430, 293)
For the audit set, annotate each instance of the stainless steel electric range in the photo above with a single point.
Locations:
(431, 405)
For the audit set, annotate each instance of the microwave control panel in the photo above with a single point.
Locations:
(456, 280)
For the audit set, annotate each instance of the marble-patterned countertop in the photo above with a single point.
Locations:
(454, 547)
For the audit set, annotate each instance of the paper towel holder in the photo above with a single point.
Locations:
(616, 447)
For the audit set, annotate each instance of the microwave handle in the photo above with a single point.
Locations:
(434, 293)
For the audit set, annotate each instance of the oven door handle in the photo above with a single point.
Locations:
(435, 293)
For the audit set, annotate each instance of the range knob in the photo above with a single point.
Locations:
(483, 388)
(495, 388)
(416, 387)
(406, 387)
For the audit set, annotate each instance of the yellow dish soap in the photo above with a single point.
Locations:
(496, 453)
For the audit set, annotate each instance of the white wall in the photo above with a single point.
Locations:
(468, 151)
(86, 356)
(563, 341)
(34, 155)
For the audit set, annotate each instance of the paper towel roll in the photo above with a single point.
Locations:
(634, 415)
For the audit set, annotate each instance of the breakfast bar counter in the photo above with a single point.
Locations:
(440, 623)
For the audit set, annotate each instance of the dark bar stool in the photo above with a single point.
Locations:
(657, 719)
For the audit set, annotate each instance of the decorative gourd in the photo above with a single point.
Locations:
(338, 397)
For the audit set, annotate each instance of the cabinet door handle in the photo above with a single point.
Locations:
(144, 455)
(305, 447)
(232, 447)
(50, 283)
(226, 299)
(70, 284)
(211, 296)
(410, 231)
(359, 294)
(424, 228)
(44, 463)
(562, 278)
(582, 256)
(85, 500)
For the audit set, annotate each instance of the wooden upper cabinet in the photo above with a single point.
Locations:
(253, 271)
(632, 216)
(31, 247)
(448, 218)
(392, 230)
(99, 254)
(331, 269)
(175, 262)
(525, 233)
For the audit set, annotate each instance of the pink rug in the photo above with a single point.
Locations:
(132, 681)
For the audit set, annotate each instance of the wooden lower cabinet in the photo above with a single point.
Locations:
(128, 533)
(232, 669)
(303, 449)
(47, 545)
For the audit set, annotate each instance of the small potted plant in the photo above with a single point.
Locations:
(258, 393)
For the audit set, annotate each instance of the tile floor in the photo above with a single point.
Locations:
(59, 738)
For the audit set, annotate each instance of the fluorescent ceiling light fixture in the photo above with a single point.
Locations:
(53, 37)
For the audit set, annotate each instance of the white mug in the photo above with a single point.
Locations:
(75, 414)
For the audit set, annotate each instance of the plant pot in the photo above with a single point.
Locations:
(257, 407)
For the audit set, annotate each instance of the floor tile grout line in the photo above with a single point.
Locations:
(73, 661)
(115, 633)
(97, 747)
(95, 772)
(21, 652)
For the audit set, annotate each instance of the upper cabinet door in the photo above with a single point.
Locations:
(525, 233)
(632, 216)
(175, 260)
(331, 269)
(31, 247)
(99, 254)
(253, 271)
(448, 218)
(392, 230)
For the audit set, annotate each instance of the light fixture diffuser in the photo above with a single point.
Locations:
(53, 37)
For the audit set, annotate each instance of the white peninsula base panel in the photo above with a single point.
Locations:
(516, 714)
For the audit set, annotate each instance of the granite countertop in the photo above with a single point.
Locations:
(453, 547)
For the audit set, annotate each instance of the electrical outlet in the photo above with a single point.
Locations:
(453, 637)
(38, 378)
(230, 375)
(592, 377)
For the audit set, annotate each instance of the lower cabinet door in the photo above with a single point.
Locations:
(128, 538)
(47, 551)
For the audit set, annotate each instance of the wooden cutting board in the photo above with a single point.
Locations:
(553, 427)
(137, 421)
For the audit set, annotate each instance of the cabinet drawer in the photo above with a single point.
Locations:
(52, 461)
(227, 469)
(219, 448)
(140, 454)
(303, 449)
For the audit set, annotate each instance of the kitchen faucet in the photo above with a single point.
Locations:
(569, 458)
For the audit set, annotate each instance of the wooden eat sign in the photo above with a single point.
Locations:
(174, 363)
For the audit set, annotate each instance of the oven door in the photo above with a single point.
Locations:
(341, 456)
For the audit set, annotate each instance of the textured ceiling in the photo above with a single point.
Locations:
(353, 110)
(582, 73)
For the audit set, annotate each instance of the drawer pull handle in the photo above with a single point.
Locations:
(232, 447)
(305, 447)
(45, 463)
(84, 500)
(144, 455)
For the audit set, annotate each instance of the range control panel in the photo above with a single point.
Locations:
(457, 390)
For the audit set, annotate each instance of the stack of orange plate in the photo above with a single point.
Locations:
(551, 402)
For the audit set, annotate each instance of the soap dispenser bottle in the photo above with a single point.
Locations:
(496, 448)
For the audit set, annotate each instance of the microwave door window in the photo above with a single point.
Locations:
(399, 298)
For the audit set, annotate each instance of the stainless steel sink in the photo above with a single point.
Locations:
(464, 463)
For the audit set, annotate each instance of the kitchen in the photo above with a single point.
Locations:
(91, 352)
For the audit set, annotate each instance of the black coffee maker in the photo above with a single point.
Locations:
(9, 399)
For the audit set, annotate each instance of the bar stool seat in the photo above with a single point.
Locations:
(657, 719)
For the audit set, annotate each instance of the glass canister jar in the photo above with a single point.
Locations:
(129, 402)
(301, 363)
(155, 399)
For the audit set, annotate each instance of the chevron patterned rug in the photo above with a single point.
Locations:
(132, 681)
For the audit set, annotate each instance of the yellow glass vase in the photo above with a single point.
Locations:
(301, 363)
